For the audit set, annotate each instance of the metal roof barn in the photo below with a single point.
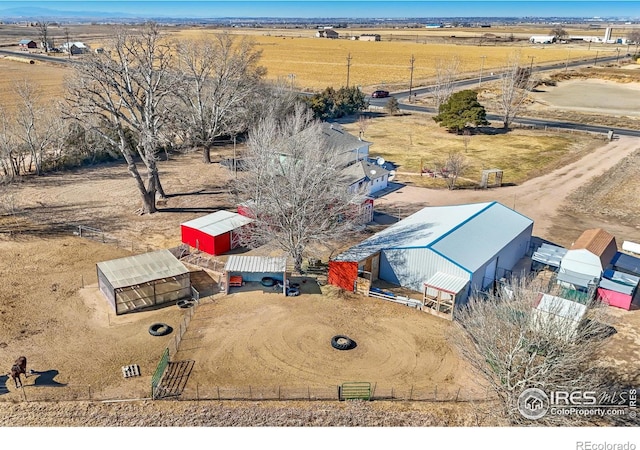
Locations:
(476, 242)
(145, 280)
(214, 233)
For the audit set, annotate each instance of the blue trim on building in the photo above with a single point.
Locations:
(451, 261)
(470, 218)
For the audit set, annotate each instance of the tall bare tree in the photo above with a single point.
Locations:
(127, 88)
(293, 187)
(43, 34)
(38, 126)
(516, 83)
(559, 32)
(447, 71)
(455, 166)
(515, 346)
(634, 36)
(222, 75)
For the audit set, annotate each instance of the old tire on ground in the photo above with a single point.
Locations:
(184, 303)
(293, 292)
(159, 329)
(340, 342)
(268, 281)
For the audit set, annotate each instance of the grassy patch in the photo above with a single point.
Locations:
(412, 140)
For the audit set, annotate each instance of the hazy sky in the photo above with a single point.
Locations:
(335, 8)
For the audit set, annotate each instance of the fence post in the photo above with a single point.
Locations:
(218, 388)
(457, 394)
(435, 393)
(308, 393)
(278, 392)
(391, 392)
(197, 393)
(90, 398)
(411, 393)
(250, 396)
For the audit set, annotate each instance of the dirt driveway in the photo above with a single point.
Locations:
(540, 199)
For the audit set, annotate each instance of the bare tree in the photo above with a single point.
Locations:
(127, 90)
(222, 77)
(363, 124)
(446, 73)
(37, 122)
(392, 106)
(293, 187)
(559, 32)
(43, 34)
(466, 139)
(454, 167)
(634, 36)
(514, 346)
(67, 37)
(11, 156)
(516, 83)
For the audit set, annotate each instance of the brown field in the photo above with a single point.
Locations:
(48, 78)
(318, 63)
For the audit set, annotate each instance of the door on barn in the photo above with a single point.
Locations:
(490, 273)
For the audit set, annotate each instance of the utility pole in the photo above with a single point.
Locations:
(617, 55)
(595, 62)
(412, 60)
(348, 68)
(481, 69)
(531, 65)
(566, 64)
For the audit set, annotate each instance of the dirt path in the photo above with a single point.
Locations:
(540, 198)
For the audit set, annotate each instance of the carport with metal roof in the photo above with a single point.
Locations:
(241, 269)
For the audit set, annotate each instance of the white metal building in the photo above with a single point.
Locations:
(444, 252)
(556, 316)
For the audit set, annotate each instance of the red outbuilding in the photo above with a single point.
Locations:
(214, 233)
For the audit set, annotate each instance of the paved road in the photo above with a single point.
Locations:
(404, 96)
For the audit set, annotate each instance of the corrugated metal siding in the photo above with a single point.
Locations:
(447, 283)
(198, 239)
(410, 268)
(343, 274)
(273, 264)
(221, 244)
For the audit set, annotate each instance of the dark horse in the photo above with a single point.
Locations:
(19, 367)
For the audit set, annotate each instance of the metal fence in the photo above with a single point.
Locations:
(197, 392)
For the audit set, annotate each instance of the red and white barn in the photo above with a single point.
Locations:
(214, 233)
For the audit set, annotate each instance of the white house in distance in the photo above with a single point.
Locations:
(75, 48)
(584, 263)
(444, 253)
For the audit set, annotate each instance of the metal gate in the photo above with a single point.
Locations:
(157, 375)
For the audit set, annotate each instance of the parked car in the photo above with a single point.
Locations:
(380, 94)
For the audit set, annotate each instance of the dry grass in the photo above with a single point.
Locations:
(409, 140)
(49, 78)
(318, 63)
